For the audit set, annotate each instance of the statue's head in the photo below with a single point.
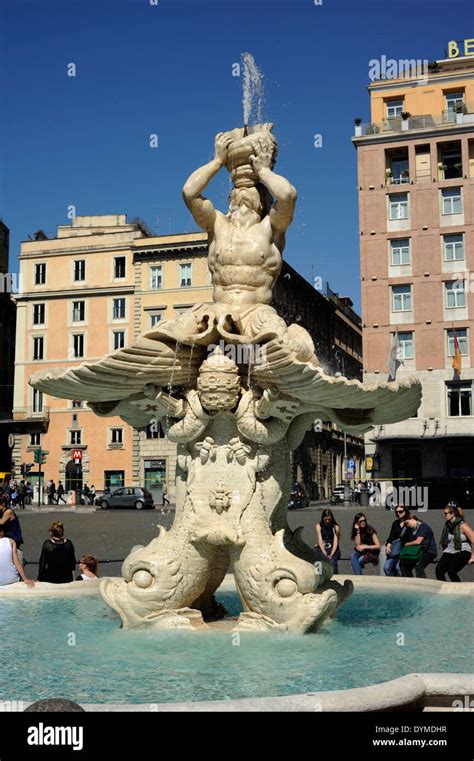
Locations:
(255, 198)
(218, 383)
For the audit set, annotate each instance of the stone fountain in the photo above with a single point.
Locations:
(236, 389)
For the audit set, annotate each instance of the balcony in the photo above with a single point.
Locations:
(25, 420)
(417, 123)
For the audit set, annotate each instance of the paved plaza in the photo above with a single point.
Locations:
(110, 534)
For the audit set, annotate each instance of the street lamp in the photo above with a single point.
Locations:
(347, 497)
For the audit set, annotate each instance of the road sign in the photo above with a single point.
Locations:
(77, 456)
(350, 465)
(349, 474)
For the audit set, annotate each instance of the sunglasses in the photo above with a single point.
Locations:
(399, 512)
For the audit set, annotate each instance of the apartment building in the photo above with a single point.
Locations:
(77, 304)
(416, 215)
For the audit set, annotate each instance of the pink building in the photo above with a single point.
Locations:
(416, 211)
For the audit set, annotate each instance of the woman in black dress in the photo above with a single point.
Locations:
(57, 562)
(327, 534)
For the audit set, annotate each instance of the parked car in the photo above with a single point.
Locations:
(337, 496)
(298, 497)
(125, 496)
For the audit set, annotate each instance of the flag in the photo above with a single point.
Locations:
(395, 357)
(457, 355)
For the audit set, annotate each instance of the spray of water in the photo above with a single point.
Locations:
(252, 89)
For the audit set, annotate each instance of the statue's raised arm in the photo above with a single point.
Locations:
(201, 208)
(282, 210)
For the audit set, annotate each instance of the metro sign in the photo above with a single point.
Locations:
(77, 456)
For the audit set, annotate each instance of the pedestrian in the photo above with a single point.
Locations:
(11, 568)
(29, 493)
(457, 543)
(92, 495)
(88, 567)
(86, 494)
(57, 562)
(51, 492)
(10, 523)
(366, 544)
(328, 535)
(418, 547)
(394, 544)
(21, 494)
(164, 492)
(60, 493)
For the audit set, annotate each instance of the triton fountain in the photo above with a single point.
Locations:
(235, 418)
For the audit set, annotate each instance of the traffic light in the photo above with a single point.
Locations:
(40, 456)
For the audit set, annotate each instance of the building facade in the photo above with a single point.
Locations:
(416, 215)
(77, 304)
(7, 349)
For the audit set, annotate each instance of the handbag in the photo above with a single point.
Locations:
(414, 553)
(396, 548)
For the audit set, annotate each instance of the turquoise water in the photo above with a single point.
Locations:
(109, 665)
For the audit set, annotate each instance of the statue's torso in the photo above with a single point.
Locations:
(244, 262)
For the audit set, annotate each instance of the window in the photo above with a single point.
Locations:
(452, 202)
(398, 206)
(119, 267)
(76, 437)
(399, 251)
(113, 478)
(455, 294)
(155, 317)
(401, 298)
(453, 100)
(119, 339)
(406, 344)
(116, 436)
(154, 430)
(79, 270)
(451, 160)
(461, 335)
(459, 398)
(453, 246)
(38, 314)
(399, 168)
(38, 347)
(37, 400)
(76, 404)
(35, 439)
(119, 309)
(156, 278)
(40, 274)
(78, 345)
(78, 311)
(394, 108)
(185, 275)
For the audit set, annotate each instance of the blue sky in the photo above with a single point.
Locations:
(167, 69)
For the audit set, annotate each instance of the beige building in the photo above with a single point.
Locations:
(416, 212)
(77, 304)
(87, 292)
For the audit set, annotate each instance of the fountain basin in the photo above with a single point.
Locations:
(360, 648)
